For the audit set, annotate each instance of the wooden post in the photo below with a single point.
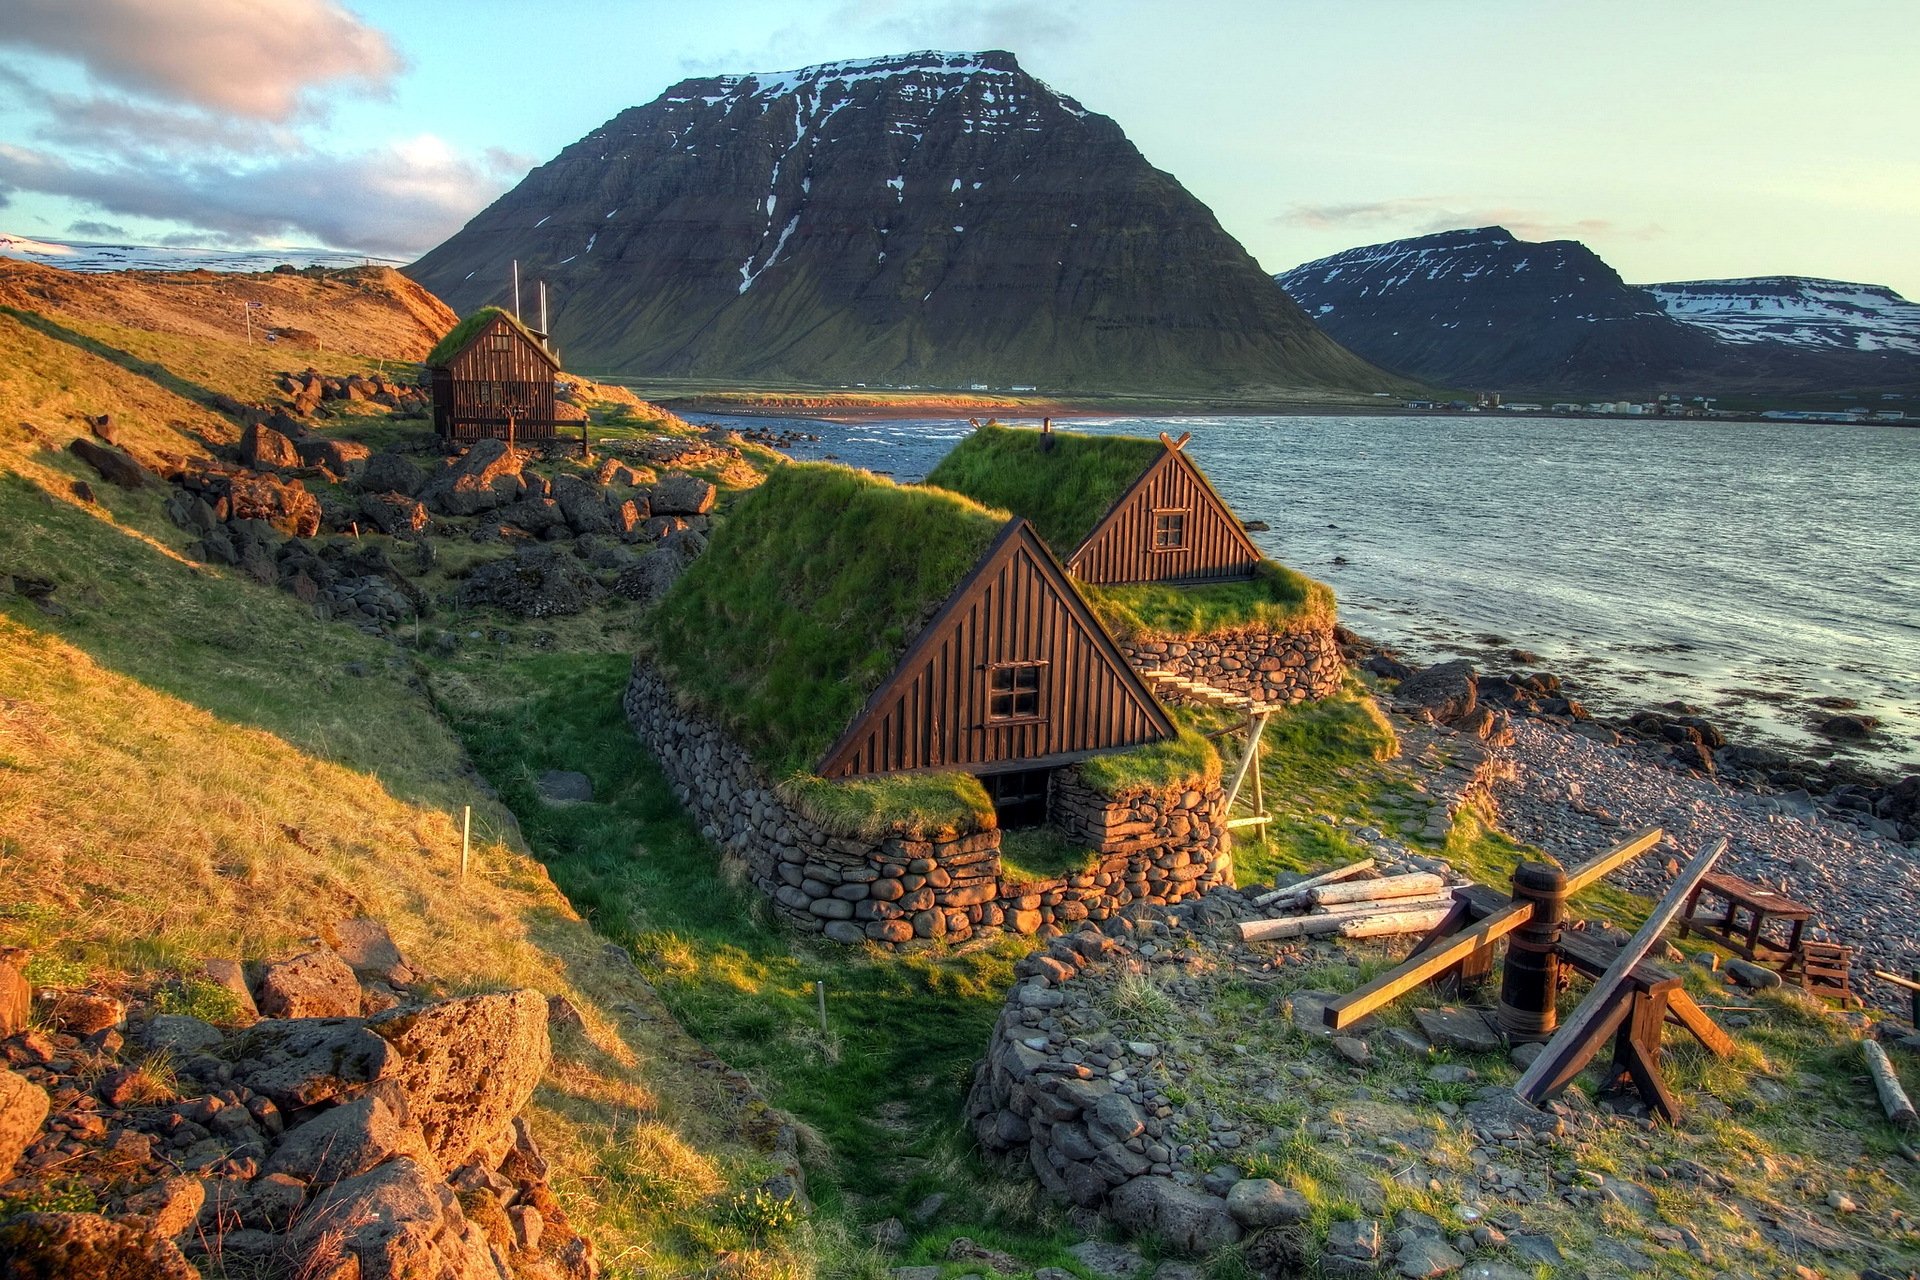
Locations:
(820, 994)
(1893, 1098)
(466, 837)
(1567, 1045)
(1530, 984)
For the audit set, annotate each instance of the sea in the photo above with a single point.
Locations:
(1766, 574)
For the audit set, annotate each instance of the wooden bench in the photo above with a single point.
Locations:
(1746, 936)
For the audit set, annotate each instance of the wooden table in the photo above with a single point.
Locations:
(1760, 905)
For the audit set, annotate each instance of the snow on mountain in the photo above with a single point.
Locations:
(83, 255)
(1796, 310)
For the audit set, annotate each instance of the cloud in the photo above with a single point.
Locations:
(126, 127)
(904, 26)
(1425, 215)
(259, 59)
(87, 227)
(395, 200)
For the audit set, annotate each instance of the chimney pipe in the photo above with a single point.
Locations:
(544, 331)
(516, 288)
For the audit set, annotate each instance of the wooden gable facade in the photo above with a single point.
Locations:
(1013, 673)
(1170, 526)
(496, 382)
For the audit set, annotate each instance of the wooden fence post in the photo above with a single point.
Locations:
(1530, 984)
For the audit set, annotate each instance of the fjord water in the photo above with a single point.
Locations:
(1745, 568)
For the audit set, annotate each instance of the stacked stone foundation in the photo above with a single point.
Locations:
(1267, 666)
(1151, 846)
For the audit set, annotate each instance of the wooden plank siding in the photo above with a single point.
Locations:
(500, 374)
(1017, 606)
(1121, 547)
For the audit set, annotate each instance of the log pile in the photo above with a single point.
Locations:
(1352, 903)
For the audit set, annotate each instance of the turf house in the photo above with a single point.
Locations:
(897, 709)
(492, 377)
(1193, 603)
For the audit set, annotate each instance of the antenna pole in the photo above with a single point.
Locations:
(544, 331)
(516, 288)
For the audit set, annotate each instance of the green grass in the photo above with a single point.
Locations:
(882, 1088)
(814, 586)
(908, 804)
(1187, 760)
(462, 333)
(1278, 599)
(1043, 853)
(1063, 482)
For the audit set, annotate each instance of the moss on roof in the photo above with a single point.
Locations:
(1064, 488)
(461, 334)
(813, 587)
(1276, 597)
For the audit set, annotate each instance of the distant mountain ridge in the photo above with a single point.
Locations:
(1481, 308)
(933, 219)
(89, 255)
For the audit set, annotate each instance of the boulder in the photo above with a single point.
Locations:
(179, 1035)
(369, 950)
(316, 984)
(467, 1066)
(284, 504)
(23, 1109)
(393, 514)
(232, 978)
(1447, 690)
(535, 515)
(16, 1000)
(115, 466)
(565, 786)
(1186, 1221)
(397, 1222)
(486, 476)
(1850, 726)
(66, 1246)
(168, 1207)
(303, 1061)
(264, 449)
(680, 494)
(344, 458)
(345, 1141)
(1256, 1203)
(536, 582)
(657, 571)
(583, 505)
(390, 472)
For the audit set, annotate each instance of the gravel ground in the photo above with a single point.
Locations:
(1576, 796)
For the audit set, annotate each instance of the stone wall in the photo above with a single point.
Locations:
(1268, 666)
(1154, 846)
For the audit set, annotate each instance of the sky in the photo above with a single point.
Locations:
(1680, 139)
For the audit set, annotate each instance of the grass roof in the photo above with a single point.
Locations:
(461, 334)
(1276, 598)
(812, 589)
(1064, 488)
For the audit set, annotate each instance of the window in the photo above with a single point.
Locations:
(499, 342)
(1013, 691)
(1169, 530)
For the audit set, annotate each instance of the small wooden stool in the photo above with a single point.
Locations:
(1823, 969)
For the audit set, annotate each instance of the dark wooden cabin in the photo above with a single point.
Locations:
(844, 626)
(493, 377)
(1116, 509)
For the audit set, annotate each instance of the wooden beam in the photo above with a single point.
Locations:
(1391, 923)
(1259, 727)
(1569, 1044)
(1893, 1098)
(1896, 980)
(1330, 921)
(1388, 987)
(1257, 820)
(1414, 884)
(1598, 866)
(1300, 888)
(1682, 1009)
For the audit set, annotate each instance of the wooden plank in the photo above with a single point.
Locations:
(1896, 980)
(1569, 1042)
(1608, 1014)
(1388, 987)
(1330, 921)
(1392, 923)
(1315, 881)
(1257, 820)
(1682, 1010)
(1893, 1098)
(1414, 884)
(1598, 866)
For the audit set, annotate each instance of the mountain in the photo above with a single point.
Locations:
(1796, 311)
(933, 219)
(1481, 309)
